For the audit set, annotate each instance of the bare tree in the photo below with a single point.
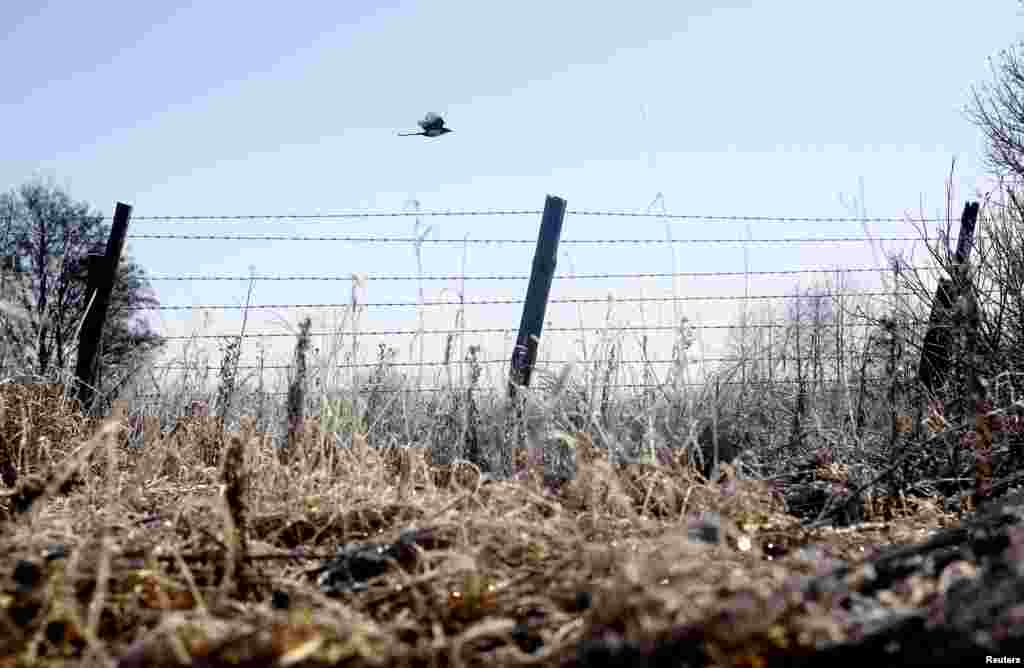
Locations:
(997, 109)
(48, 239)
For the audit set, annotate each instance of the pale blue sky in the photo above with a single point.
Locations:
(725, 107)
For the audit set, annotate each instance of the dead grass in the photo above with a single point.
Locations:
(156, 559)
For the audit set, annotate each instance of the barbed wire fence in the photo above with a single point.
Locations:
(632, 329)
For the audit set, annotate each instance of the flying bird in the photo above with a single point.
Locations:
(433, 126)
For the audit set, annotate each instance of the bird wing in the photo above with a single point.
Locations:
(432, 121)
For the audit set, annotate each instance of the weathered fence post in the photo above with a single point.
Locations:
(102, 274)
(544, 260)
(954, 307)
(935, 355)
(524, 355)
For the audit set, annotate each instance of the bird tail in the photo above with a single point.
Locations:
(408, 134)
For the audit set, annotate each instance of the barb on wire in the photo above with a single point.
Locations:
(523, 277)
(505, 302)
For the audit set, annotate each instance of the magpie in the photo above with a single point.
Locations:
(433, 126)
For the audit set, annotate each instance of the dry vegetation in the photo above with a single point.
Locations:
(371, 525)
(150, 555)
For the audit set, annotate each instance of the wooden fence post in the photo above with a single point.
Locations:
(102, 274)
(935, 355)
(524, 355)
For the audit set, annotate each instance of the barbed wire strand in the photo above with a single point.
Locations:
(466, 241)
(505, 330)
(365, 388)
(523, 277)
(362, 215)
(500, 302)
(370, 365)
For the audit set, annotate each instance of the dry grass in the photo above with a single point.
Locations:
(163, 559)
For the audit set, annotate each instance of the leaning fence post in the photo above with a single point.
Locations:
(102, 274)
(524, 355)
(933, 368)
(544, 259)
